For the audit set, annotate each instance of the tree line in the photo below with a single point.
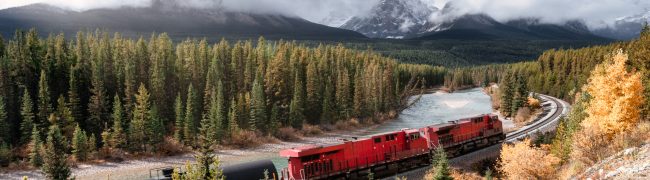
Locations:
(104, 90)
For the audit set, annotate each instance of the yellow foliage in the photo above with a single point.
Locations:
(534, 103)
(617, 97)
(521, 161)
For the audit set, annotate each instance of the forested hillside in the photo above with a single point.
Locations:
(609, 86)
(101, 91)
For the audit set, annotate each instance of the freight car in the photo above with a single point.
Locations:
(393, 151)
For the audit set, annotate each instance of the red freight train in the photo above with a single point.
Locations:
(400, 149)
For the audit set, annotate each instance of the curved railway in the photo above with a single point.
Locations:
(554, 110)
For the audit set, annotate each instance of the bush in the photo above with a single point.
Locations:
(347, 125)
(244, 139)
(521, 161)
(311, 130)
(172, 147)
(523, 115)
(287, 134)
(534, 103)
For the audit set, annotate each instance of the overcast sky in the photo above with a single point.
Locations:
(594, 12)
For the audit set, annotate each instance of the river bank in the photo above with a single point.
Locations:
(432, 108)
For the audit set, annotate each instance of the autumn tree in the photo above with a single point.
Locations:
(617, 97)
(515, 162)
(117, 137)
(141, 116)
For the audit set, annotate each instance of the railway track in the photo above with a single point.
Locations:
(554, 110)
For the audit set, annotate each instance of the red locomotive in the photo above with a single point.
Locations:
(400, 149)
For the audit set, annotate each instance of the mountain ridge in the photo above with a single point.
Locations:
(179, 22)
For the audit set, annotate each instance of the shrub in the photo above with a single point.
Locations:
(171, 146)
(287, 134)
(347, 125)
(523, 115)
(533, 103)
(521, 161)
(244, 139)
(311, 130)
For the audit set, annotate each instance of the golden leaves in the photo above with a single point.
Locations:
(617, 96)
(521, 161)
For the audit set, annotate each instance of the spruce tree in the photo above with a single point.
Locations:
(180, 117)
(220, 121)
(79, 143)
(441, 165)
(155, 128)
(313, 91)
(258, 104)
(329, 108)
(4, 123)
(35, 156)
(189, 132)
(296, 111)
(274, 120)
(507, 91)
(233, 116)
(141, 116)
(44, 102)
(27, 114)
(74, 99)
(55, 165)
(117, 135)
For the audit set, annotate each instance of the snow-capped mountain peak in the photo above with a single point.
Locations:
(392, 19)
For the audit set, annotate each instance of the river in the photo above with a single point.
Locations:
(431, 109)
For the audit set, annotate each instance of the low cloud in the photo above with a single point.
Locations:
(595, 13)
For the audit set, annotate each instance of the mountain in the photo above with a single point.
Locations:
(167, 16)
(625, 28)
(483, 27)
(411, 19)
(395, 19)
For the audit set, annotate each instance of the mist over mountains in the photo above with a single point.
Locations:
(166, 16)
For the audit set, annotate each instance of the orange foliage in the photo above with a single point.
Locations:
(534, 103)
(617, 97)
(521, 161)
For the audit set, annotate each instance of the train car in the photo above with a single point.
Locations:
(401, 149)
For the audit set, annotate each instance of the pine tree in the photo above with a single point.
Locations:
(313, 90)
(117, 137)
(74, 99)
(79, 143)
(44, 102)
(155, 128)
(507, 91)
(189, 132)
(329, 108)
(67, 122)
(91, 144)
(27, 114)
(219, 114)
(258, 104)
(141, 116)
(233, 118)
(296, 111)
(180, 117)
(35, 156)
(343, 94)
(55, 166)
(5, 132)
(441, 165)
